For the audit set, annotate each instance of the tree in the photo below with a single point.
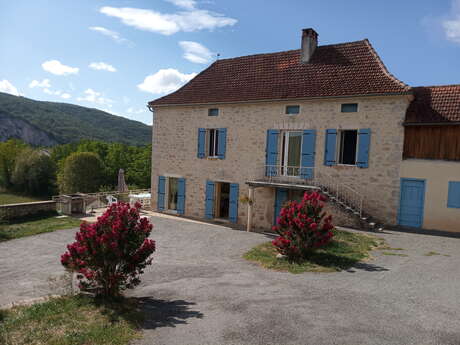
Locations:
(111, 254)
(81, 172)
(139, 169)
(303, 227)
(34, 173)
(9, 152)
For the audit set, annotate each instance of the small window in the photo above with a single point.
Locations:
(292, 109)
(453, 197)
(349, 107)
(213, 112)
(213, 142)
(348, 147)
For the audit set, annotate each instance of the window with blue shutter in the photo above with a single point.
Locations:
(233, 207)
(209, 199)
(271, 152)
(181, 195)
(161, 193)
(201, 142)
(364, 140)
(453, 196)
(308, 154)
(221, 143)
(330, 147)
(281, 196)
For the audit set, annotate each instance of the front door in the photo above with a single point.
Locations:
(412, 202)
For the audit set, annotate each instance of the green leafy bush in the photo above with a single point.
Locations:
(81, 172)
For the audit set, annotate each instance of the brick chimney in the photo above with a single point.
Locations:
(309, 44)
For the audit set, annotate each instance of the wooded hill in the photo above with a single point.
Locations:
(42, 123)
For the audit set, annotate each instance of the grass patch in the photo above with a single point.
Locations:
(386, 247)
(10, 198)
(16, 229)
(434, 253)
(71, 320)
(345, 250)
(394, 254)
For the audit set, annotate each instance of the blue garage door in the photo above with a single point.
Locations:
(411, 203)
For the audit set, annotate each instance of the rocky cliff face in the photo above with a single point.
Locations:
(11, 127)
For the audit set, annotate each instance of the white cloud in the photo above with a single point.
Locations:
(112, 34)
(66, 96)
(57, 68)
(42, 84)
(195, 52)
(102, 66)
(131, 110)
(49, 92)
(168, 24)
(7, 87)
(187, 4)
(165, 81)
(95, 97)
(452, 25)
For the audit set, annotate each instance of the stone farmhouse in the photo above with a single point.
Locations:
(249, 133)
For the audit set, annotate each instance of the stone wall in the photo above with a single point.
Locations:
(17, 211)
(175, 132)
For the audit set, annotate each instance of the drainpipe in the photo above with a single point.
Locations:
(251, 201)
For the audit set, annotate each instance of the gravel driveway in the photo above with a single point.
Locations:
(200, 290)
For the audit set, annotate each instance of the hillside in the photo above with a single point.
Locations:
(50, 123)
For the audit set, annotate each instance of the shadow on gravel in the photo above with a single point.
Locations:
(162, 313)
(366, 267)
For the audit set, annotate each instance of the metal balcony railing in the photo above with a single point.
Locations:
(330, 185)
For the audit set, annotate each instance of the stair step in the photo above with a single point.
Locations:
(371, 224)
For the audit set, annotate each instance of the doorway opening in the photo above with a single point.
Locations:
(222, 200)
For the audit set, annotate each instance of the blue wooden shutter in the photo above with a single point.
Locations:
(271, 152)
(161, 193)
(181, 195)
(453, 196)
(281, 196)
(201, 142)
(364, 139)
(221, 143)
(308, 154)
(329, 150)
(233, 208)
(209, 201)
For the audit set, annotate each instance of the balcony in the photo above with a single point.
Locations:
(280, 175)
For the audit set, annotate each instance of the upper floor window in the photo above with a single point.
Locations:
(291, 148)
(213, 111)
(213, 142)
(292, 109)
(348, 145)
(349, 107)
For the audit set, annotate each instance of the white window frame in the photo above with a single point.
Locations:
(215, 142)
(284, 168)
(338, 150)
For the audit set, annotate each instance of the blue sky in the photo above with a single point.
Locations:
(116, 55)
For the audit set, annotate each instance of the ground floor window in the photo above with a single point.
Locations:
(348, 146)
(172, 193)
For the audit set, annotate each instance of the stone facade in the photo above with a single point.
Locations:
(175, 131)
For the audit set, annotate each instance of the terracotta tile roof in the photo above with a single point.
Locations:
(345, 69)
(434, 104)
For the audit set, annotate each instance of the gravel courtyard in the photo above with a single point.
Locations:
(200, 291)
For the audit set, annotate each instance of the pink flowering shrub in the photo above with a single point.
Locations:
(111, 254)
(303, 227)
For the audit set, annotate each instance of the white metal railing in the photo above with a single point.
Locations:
(330, 185)
(285, 174)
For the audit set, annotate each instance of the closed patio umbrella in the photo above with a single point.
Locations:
(122, 186)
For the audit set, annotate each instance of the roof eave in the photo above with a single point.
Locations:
(409, 92)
